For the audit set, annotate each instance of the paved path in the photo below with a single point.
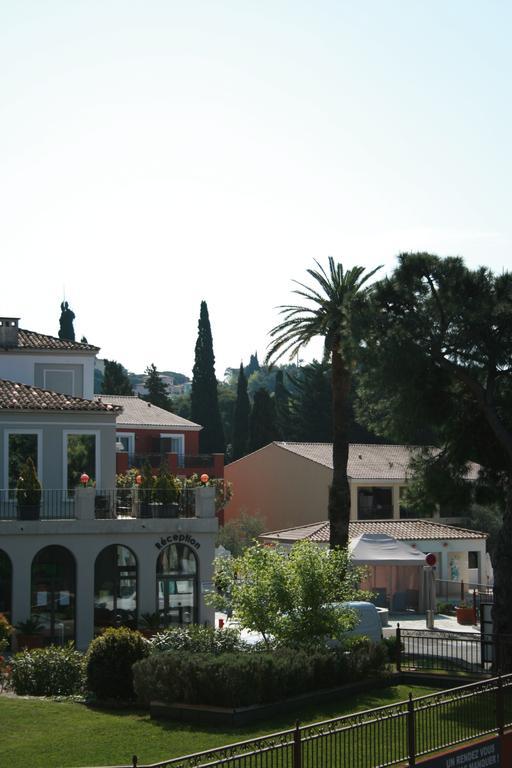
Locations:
(413, 621)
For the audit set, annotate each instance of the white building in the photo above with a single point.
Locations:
(80, 559)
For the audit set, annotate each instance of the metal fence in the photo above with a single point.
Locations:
(421, 650)
(58, 504)
(462, 591)
(385, 736)
(55, 504)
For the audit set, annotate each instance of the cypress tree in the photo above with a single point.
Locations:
(115, 379)
(262, 424)
(158, 394)
(204, 402)
(282, 406)
(241, 417)
(311, 404)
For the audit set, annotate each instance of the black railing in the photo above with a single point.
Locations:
(57, 504)
(54, 504)
(133, 502)
(183, 461)
(425, 650)
(385, 736)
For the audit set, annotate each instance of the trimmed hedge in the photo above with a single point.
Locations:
(109, 662)
(240, 679)
(52, 671)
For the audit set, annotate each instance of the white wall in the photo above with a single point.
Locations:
(20, 366)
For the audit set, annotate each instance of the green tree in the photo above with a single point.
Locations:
(241, 417)
(204, 404)
(288, 596)
(282, 406)
(336, 307)
(253, 365)
(115, 379)
(262, 422)
(238, 534)
(66, 329)
(158, 392)
(439, 354)
(311, 404)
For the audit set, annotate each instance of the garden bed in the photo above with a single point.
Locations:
(234, 717)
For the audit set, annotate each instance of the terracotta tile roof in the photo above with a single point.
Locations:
(139, 413)
(21, 397)
(403, 530)
(365, 461)
(33, 340)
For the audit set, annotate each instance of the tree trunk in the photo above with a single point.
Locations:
(502, 565)
(339, 491)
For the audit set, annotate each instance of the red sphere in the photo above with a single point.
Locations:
(84, 478)
(430, 559)
(204, 478)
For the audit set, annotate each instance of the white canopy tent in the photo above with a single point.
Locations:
(395, 570)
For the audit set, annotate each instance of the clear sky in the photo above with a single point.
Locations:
(156, 153)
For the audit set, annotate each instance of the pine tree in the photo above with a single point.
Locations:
(241, 417)
(158, 394)
(66, 330)
(262, 424)
(204, 402)
(115, 379)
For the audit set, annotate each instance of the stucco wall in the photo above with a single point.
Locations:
(282, 488)
(86, 539)
(52, 428)
(21, 366)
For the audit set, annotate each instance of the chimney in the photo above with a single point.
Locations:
(9, 332)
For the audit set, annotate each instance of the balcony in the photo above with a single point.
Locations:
(109, 504)
(176, 463)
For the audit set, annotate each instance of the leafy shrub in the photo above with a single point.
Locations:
(6, 631)
(240, 679)
(52, 671)
(197, 639)
(109, 663)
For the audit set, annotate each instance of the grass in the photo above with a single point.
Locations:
(46, 733)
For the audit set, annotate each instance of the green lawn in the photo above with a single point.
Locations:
(43, 733)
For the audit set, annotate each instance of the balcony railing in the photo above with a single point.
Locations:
(92, 503)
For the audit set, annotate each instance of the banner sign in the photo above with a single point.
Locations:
(483, 755)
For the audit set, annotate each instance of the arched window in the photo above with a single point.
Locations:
(53, 593)
(115, 588)
(5, 584)
(176, 578)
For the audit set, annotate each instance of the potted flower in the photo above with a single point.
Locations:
(146, 484)
(28, 633)
(28, 492)
(465, 614)
(166, 493)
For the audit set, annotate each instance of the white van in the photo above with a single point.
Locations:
(369, 623)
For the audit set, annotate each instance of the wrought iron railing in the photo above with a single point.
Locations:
(435, 651)
(117, 503)
(54, 504)
(385, 736)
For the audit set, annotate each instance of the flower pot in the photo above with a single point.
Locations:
(29, 511)
(465, 615)
(169, 510)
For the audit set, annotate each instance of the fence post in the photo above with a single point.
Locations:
(500, 709)
(398, 648)
(462, 591)
(411, 732)
(297, 747)
(134, 761)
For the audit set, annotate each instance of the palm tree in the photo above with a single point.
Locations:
(337, 304)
